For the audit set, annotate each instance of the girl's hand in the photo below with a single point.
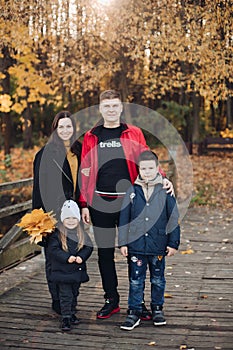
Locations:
(79, 260)
(171, 251)
(71, 259)
(124, 251)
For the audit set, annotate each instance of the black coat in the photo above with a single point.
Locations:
(52, 181)
(61, 270)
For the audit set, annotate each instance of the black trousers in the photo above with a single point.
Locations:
(105, 217)
(53, 287)
(68, 293)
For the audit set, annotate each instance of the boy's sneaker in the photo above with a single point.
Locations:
(132, 320)
(66, 324)
(146, 314)
(74, 320)
(158, 316)
(109, 308)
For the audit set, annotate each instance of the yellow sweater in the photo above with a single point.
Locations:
(73, 163)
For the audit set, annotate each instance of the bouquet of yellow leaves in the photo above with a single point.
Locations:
(38, 224)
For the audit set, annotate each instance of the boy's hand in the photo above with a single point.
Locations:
(124, 251)
(71, 259)
(168, 186)
(79, 260)
(171, 251)
(86, 216)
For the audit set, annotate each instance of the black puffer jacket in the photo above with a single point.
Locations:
(62, 270)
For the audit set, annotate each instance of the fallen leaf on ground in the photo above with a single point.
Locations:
(167, 295)
(189, 251)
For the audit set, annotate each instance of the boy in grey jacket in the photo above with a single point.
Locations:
(148, 231)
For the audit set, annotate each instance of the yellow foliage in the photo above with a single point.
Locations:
(5, 103)
(2, 76)
(227, 133)
(38, 224)
(19, 107)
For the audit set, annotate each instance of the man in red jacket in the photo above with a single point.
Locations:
(109, 156)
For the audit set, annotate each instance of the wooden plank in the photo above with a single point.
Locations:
(199, 310)
(16, 208)
(6, 186)
(17, 252)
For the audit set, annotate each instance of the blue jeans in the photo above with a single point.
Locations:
(137, 265)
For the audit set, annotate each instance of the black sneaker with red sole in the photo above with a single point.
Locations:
(108, 309)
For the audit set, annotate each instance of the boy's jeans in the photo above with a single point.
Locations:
(137, 265)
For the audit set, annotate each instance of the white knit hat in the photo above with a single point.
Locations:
(70, 209)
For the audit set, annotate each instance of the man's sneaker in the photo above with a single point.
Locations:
(66, 324)
(109, 308)
(74, 320)
(132, 320)
(146, 314)
(158, 316)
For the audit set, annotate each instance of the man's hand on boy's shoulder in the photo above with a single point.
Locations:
(167, 185)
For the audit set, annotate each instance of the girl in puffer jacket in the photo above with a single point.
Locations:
(69, 247)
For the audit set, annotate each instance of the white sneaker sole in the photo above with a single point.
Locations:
(160, 323)
(130, 328)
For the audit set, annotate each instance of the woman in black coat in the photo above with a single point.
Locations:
(55, 179)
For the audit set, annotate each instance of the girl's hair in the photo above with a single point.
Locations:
(63, 237)
(54, 136)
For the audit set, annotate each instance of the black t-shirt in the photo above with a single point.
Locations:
(113, 175)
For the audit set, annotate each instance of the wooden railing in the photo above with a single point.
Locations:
(14, 246)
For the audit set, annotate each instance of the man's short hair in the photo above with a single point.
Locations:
(148, 155)
(109, 95)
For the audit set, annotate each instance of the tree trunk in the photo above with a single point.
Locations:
(229, 113)
(5, 62)
(196, 112)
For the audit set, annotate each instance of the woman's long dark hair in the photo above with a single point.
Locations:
(74, 145)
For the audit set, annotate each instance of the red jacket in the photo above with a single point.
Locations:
(133, 143)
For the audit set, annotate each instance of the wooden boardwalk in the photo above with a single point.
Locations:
(198, 304)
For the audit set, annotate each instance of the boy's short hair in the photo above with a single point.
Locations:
(148, 155)
(109, 95)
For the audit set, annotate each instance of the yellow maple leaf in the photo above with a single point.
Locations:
(188, 251)
(167, 295)
(38, 224)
